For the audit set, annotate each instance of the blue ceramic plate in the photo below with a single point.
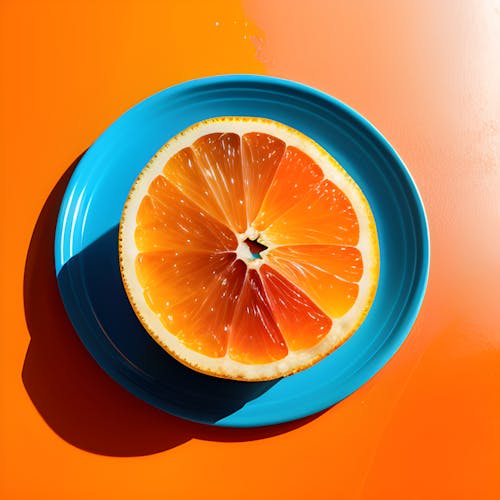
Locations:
(87, 258)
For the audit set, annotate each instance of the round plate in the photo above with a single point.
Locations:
(86, 251)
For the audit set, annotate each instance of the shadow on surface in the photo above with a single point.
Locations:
(73, 394)
(91, 282)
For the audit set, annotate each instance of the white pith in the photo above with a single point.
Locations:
(295, 360)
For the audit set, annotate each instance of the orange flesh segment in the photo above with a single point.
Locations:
(202, 321)
(183, 171)
(255, 337)
(326, 274)
(295, 175)
(261, 155)
(300, 321)
(194, 295)
(167, 219)
(170, 277)
(323, 215)
(219, 157)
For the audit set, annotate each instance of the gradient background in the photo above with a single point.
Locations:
(427, 75)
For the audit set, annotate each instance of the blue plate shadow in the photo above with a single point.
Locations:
(191, 395)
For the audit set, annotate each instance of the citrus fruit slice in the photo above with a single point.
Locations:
(246, 251)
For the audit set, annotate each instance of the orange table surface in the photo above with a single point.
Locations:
(427, 75)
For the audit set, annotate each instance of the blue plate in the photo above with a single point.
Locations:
(87, 258)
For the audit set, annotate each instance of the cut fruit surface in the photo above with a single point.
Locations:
(246, 251)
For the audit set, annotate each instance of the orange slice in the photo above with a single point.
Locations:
(246, 251)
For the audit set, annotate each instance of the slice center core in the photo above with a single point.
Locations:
(249, 251)
(255, 248)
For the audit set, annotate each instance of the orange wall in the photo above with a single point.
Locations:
(427, 75)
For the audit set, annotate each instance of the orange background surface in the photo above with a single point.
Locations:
(427, 74)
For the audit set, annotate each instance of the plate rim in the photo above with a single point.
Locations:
(385, 351)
